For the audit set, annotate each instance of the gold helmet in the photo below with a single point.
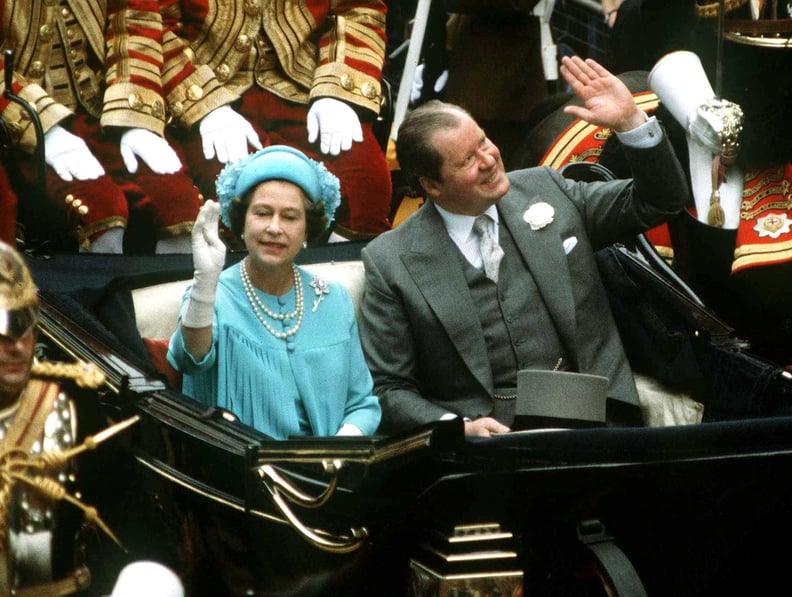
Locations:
(18, 295)
(765, 23)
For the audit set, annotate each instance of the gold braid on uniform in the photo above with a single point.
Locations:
(710, 9)
(17, 466)
(85, 375)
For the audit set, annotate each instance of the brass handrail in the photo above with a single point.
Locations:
(280, 489)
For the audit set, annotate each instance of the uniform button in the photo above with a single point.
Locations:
(36, 69)
(347, 82)
(70, 33)
(134, 101)
(65, 12)
(223, 72)
(251, 7)
(157, 109)
(194, 93)
(45, 32)
(242, 43)
(177, 108)
(83, 210)
(368, 90)
(69, 198)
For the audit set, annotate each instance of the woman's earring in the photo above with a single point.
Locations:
(305, 244)
(242, 236)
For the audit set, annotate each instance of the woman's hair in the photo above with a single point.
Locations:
(315, 217)
(416, 155)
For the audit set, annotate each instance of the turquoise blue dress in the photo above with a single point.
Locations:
(309, 384)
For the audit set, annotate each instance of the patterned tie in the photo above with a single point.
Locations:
(491, 251)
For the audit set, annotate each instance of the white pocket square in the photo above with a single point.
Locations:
(569, 244)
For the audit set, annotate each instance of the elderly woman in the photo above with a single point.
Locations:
(268, 341)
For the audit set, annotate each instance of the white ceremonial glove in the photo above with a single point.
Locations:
(417, 84)
(148, 578)
(226, 134)
(151, 148)
(69, 156)
(349, 430)
(335, 124)
(208, 252)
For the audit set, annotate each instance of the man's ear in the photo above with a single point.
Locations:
(430, 187)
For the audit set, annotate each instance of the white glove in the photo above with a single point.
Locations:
(149, 578)
(335, 123)
(69, 156)
(151, 148)
(417, 84)
(226, 134)
(208, 259)
(349, 430)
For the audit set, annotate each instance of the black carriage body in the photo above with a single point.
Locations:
(697, 510)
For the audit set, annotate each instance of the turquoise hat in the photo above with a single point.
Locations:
(278, 162)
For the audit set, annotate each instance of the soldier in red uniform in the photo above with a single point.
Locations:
(93, 74)
(243, 74)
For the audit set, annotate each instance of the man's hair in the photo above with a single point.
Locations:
(416, 155)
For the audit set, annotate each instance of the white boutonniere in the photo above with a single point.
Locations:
(539, 215)
(320, 290)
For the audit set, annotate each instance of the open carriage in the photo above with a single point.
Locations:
(687, 510)
(697, 509)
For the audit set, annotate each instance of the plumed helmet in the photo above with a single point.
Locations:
(18, 294)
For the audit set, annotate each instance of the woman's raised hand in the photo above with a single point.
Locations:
(208, 259)
(208, 249)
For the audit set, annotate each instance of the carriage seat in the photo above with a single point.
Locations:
(157, 307)
(157, 310)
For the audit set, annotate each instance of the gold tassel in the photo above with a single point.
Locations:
(716, 216)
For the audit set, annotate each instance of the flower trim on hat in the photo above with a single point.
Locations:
(225, 186)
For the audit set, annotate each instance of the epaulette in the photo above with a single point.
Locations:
(85, 375)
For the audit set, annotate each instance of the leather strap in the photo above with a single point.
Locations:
(617, 567)
(35, 405)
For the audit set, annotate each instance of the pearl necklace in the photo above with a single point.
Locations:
(259, 306)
